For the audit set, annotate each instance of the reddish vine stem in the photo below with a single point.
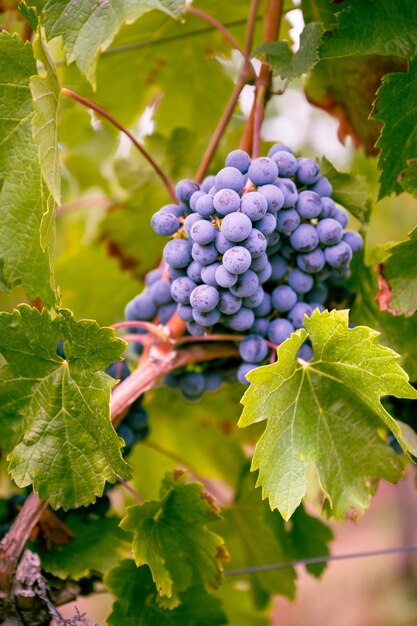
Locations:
(130, 489)
(94, 107)
(218, 26)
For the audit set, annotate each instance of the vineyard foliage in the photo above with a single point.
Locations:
(153, 495)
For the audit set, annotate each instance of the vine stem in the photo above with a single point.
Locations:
(94, 107)
(218, 26)
(132, 492)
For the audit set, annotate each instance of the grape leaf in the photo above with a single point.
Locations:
(136, 603)
(346, 89)
(287, 64)
(349, 190)
(380, 26)
(54, 412)
(249, 518)
(238, 606)
(97, 545)
(396, 107)
(319, 11)
(26, 236)
(45, 93)
(326, 413)
(88, 27)
(408, 178)
(400, 273)
(171, 536)
(398, 333)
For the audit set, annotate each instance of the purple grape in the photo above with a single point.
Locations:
(255, 299)
(308, 171)
(208, 274)
(175, 273)
(230, 178)
(304, 238)
(152, 276)
(341, 216)
(265, 274)
(283, 298)
(256, 243)
(263, 171)
(236, 227)
(189, 222)
(196, 196)
(207, 183)
(254, 205)
(204, 254)
(226, 201)
(277, 147)
(309, 204)
(260, 327)
(289, 191)
(279, 330)
(213, 381)
(222, 243)
(323, 186)
(287, 221)
(260, 262)
(185, 312)
(228, 303)
(160, 291)
(192, 385)
(253, 349)
(174, 209)
(194, 329)
(194, 271)
(238, 159)
(244, 369)
(330, 231)
(279, 267)
(354, 240)
(286, 162)
(305, 352)
(296, 315)
(225, 278)
(318, 294)
(213, 190)
(242, 320)
(339, 255)
(299, 281)
(142, 307)
(267, 224)
(206, 319)
(237, 260)
(181, 289)
(164, 224)
(185, 189)
(274, 197)
(204, 298)
(203, 232)
(311, 262)
(205, 205)
(246, 284)
(265, 307)
(328, 207)
(166, 311)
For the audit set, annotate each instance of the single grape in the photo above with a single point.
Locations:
(274, 197)
(308, 171)
(222, 243)
(256, 243)
(236, 227)
(204, 298)
(254, 205)
(230, 178)
(174, 273)
(208, 274)
(152, 276)
(287, 221)
(194, 329)
(177, 253)
(192, 385)
(309, 204)
(207, 183)
(289, 191)
(244, 369)
(196, 196)
(213, 381)
(267, 224)
(279, 330)
(189, 222)
(238, 159)
(260, 327)
(242, 320)
(164, 223)
(330, 231)
(205, 205)
(296, 315)
(279, 267)
(265, 307)
(142, 307)
(246, 284)
(181, 289)
(204, 254)
(225, 278)
(283, 298)
(174, 209)
(304, 238)
(341, 216)
(237, 260)
(286, 162)
(277, 147)
(338, 255)
(203, 232)
(260, 262)
(263, 171)
(311, 262)
(206, 319)
(228, 303)
(305, 352)
(265, 274)
(253, 301)
(299, 281)
(213, 190)
(194, 272)
(354, 240)
(273, 239)
(318, 294)
(185, 189)
(127, 434)
(253, 349)
(160, 291)
(166, 311)
(226, 201)
(322, 186)
(328, 207)
(185, 312)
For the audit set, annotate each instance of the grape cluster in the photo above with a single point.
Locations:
(254, 249)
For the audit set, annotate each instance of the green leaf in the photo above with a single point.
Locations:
(26, 236)
(287, 64)
(319, 11)
(396, 107)
(349, 190)
(346, 89)
(97, 545)
(45, 93)
(380, 26)
(326, 413)
(88, 27)
(399, 271)
(247, 520)
(30, 15)
(398, 333)
(238, 606)
(171, 536)
(408, 178)
(55, 412)
(136, 603)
